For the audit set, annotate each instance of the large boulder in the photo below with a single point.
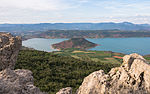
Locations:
(9, 48)
(133, 77)
(18, 81)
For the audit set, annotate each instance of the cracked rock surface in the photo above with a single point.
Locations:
(18, 81)
(132, 77)
(9, 48)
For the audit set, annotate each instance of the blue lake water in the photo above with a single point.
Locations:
(121, 45)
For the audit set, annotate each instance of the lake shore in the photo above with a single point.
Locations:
(121, 45)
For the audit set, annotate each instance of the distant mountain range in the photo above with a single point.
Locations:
(126, 26)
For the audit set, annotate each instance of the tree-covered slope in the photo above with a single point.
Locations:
(81, 34)
(52, 72)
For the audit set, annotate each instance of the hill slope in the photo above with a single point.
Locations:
(81, 34)
(52, 72)
(132, 77)
(79, 43)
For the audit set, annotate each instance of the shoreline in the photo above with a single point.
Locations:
(142, 51)
(54, 48)
(24, 39)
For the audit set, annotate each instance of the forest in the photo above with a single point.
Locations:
(52, 71)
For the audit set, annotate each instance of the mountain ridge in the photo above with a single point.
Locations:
(74, 26)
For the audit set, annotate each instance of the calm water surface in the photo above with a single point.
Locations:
(122, 45)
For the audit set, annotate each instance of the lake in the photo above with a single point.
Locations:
(121, 45)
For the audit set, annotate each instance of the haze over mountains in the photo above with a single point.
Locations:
(126, 26)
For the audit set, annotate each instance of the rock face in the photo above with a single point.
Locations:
(9, 48)
(67, 90)
(13, 81)
(17, 82)
(133, 77)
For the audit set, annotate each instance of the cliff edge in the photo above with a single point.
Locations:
(18, 81)
(9, 48)
(132, 77)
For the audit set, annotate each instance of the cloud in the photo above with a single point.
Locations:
(42, 5)
(83, 1)
(34, 11)
(34, 4)
(125, 7)
(138, 19)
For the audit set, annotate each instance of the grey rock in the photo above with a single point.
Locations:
(18, 81)
(9, 48)
(131, 78)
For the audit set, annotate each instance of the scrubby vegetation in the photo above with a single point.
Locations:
(147, 57)
(52, 72)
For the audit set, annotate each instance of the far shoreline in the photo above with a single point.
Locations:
(85, 38)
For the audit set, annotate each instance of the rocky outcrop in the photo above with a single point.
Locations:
(9, 48)
(17, 82)
(133, 77)
(67, 90)
(13, 81)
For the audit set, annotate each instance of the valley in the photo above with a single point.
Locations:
(66, 68)
(74, 47)
(120, 45)
(56, 70)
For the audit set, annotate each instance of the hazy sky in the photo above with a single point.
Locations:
(53, 11)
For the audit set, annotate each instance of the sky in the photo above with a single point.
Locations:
(74, 11)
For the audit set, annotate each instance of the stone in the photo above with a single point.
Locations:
(67, 90)
(9, 48)
(18, 81)
(132, 77)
